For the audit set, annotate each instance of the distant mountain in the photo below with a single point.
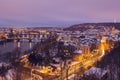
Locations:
(85, 26)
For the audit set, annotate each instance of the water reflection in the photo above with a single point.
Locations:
(4, 44)
(18, 44)
(10, 46)
(10, 51)
(30, 44)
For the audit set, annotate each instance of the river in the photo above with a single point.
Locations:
(10, 47)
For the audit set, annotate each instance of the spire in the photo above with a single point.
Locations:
(115, 20)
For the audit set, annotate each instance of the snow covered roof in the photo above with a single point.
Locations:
(97, 72)
(78, 51)
(5, 64)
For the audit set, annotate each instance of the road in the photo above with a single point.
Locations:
(71, 70)
(89, 62)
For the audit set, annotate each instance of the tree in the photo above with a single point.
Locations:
(3, 71)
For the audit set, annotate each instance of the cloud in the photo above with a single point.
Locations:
(58, 12)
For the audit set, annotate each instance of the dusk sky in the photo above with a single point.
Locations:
(57, 12)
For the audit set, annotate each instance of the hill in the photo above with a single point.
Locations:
(85, 26)
(111, 62)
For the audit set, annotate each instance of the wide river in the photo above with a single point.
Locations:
(11, 46)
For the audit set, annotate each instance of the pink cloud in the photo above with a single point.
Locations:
(58, 11)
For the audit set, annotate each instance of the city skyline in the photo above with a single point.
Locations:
(59, 39)
(57, 13)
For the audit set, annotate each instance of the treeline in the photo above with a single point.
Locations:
(111, 62)
(86, 26)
